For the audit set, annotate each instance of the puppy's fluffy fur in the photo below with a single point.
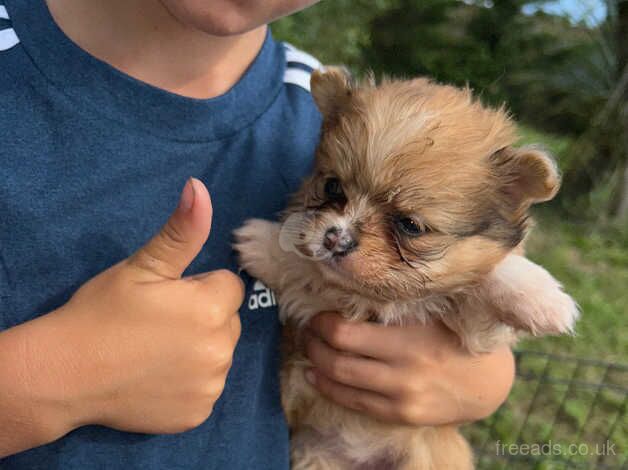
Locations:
(416, 211)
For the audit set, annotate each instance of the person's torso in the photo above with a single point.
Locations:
(87, 176)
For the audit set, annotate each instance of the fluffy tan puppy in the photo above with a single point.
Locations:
(416, 210)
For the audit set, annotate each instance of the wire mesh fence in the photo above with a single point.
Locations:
(563, 413)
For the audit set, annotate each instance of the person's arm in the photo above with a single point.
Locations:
(36, 400)
(137, 348)
(412, 374)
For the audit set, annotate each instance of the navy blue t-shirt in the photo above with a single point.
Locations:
(92, 163)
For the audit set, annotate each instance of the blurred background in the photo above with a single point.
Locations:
(561, 67)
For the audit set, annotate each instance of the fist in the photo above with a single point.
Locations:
(153, 349)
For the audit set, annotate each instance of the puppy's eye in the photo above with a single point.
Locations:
(410, 227)
(333, 190)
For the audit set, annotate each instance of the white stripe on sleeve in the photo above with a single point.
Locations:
(4, 15)
(8, 39)
(297, 77)
(294, 55)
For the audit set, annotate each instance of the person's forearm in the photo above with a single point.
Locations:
(35, 385)
(479, 400)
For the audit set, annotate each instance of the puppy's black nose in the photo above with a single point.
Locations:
(339, 241)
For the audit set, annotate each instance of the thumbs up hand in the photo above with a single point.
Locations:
(153, 349)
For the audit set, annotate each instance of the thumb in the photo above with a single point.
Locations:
(172, 250)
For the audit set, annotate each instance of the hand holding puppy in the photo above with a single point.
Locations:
(137, 348)
(417, 374)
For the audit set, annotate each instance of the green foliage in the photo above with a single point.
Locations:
(583, 85)
(592, 263)
(420, 42)
(556, 144)
(335, 31)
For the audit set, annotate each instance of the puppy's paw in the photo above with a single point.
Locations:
(530, 298)
(256, 243)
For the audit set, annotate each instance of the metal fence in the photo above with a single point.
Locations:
(563, 413)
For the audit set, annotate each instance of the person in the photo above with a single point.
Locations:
(117, 351)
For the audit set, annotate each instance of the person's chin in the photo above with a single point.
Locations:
(226, 27)
(225, 21)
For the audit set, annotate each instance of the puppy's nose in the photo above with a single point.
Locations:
(339, 241)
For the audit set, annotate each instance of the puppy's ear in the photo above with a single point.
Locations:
(525, 176)
(331, 90)
(525, 296)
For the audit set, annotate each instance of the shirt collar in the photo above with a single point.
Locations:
(88, 81)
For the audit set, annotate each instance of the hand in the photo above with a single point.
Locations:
(137, 348)
(413, 374)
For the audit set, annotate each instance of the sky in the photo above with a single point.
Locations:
(590, 11)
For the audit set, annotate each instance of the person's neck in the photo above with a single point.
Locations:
(142, 39)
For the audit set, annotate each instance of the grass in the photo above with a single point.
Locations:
(559, 402)
(592, 263)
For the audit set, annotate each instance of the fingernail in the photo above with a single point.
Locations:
(310, 376)
(187, 196)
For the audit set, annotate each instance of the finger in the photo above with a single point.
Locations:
(355, 371)
(172, 250)
(363, 338)
(356, 399)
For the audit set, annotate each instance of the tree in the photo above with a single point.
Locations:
(335, 31)
(597, 172)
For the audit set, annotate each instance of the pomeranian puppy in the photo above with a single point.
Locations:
(416, 211)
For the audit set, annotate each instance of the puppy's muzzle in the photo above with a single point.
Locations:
(340, 241)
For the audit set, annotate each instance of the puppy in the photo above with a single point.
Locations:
(416, 211)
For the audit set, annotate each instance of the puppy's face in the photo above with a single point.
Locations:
(416, 189)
